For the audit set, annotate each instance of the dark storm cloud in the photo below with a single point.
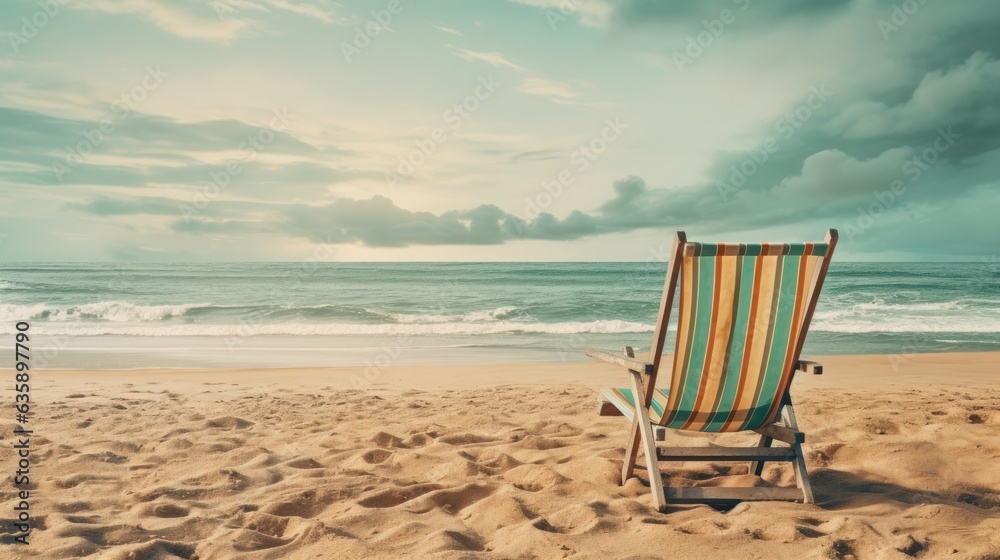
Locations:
(49, 150)
(692, 14)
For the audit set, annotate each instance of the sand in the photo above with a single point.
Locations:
(490, 461)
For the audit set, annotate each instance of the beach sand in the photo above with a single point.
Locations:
(490, 461)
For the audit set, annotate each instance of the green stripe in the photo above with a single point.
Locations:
(657, 405)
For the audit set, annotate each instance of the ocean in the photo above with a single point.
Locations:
(298, 314)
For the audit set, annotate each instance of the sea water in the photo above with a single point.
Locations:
(293, 314)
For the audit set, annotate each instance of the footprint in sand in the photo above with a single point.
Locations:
(534, 478)
(540, 443)
(387, 441)
(228, 423)
(156, 549)
(164, 510)
(554, 429)
(843, 549)
(465, 439)
(395, 496)
(881, 427)
(418, 440)
(304, 463)
(490, 461)
(267, 524)
(305, 504)
(376, 456)
(451, 500)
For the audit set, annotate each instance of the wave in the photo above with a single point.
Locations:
(872, 315)
(115, 311)
(337, 329)
(468, 317)
(880, 306)
(121, 311)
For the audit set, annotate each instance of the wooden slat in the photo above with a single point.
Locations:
(715, 494)
(726, 453)
(620, 360)
(781, 433)
(808, 366)
(605, 408)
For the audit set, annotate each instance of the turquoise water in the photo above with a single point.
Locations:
(137, 315)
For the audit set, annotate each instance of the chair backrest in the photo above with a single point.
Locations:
(743, 313)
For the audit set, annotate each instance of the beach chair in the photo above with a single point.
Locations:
(743, 314)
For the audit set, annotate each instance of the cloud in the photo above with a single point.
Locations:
(324, 15)
(493, 58)
(446, 29)
(965, 94)
(547, 88)
(592, 13)
(829, 189)
(105, 206)
(147, 150)
(215, 227)
(220, 21)
(691, 15)
(185, 19)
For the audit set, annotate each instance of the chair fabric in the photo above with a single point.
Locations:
(741, 310)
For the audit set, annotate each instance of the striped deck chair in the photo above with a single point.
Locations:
(743, 313)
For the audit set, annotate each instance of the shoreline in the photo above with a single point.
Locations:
(840, 371)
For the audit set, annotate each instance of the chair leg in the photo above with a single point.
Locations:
(801, 474)
(757, 467)
(648, 444)
(632, 450)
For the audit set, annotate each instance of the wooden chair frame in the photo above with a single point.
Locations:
(643, 382)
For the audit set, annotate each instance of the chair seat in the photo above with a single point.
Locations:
(623, 399)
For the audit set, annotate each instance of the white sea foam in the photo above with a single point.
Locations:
(334, 329)
(116, 311)
(469, 317)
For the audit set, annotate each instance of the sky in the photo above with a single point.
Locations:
(495, 130)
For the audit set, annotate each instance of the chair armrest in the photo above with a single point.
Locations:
(809, 367)
(620, 360)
